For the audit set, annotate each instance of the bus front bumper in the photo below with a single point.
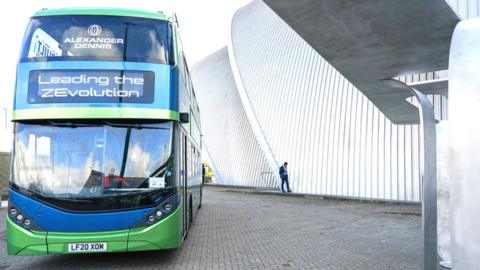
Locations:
(164, 234)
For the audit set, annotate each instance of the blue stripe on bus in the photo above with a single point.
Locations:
(165, 90)
(54, 220)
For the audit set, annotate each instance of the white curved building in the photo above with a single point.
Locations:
(236, 156)
(273, 98)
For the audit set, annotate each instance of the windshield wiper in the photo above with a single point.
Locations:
(75, 125)
(70, 124)
(136, 126)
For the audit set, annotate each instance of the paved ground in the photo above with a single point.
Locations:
(251, 231)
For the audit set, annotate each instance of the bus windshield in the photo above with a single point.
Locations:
(115, 165)
(97, 38)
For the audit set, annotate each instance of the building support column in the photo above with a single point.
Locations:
(428, 163)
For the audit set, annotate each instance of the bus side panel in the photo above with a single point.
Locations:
(195, 180)
(184, 171)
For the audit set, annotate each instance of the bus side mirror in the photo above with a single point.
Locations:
(184, 118)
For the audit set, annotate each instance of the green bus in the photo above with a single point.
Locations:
(107, 135)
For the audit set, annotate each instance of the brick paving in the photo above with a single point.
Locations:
(241, 230)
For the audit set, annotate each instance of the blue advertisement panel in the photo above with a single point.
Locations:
(81, 85)
(90, 86)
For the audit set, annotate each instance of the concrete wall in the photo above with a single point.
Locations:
(465, 9)
(4, 171)
(236, 156)
(302, 110)
(336, 141)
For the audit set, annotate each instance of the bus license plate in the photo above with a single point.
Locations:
(87, 247)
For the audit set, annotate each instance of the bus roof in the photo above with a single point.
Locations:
(103, 11)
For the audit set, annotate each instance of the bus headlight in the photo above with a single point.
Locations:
(19, 217)
(151, 218)
(167, 207)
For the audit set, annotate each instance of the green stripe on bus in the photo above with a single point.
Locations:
(102, 12)
(94, 113)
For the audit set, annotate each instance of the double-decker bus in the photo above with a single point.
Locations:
(107, 140)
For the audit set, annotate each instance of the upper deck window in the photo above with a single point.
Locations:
(98, 38)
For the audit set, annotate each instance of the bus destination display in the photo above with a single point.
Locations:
(90, 86)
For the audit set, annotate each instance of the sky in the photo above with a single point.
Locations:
(204, 25)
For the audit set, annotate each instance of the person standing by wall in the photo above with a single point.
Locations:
(284, 176)
(203, 173)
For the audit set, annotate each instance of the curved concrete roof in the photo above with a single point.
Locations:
(371, 40)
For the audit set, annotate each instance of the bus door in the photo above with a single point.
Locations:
(183, 182)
